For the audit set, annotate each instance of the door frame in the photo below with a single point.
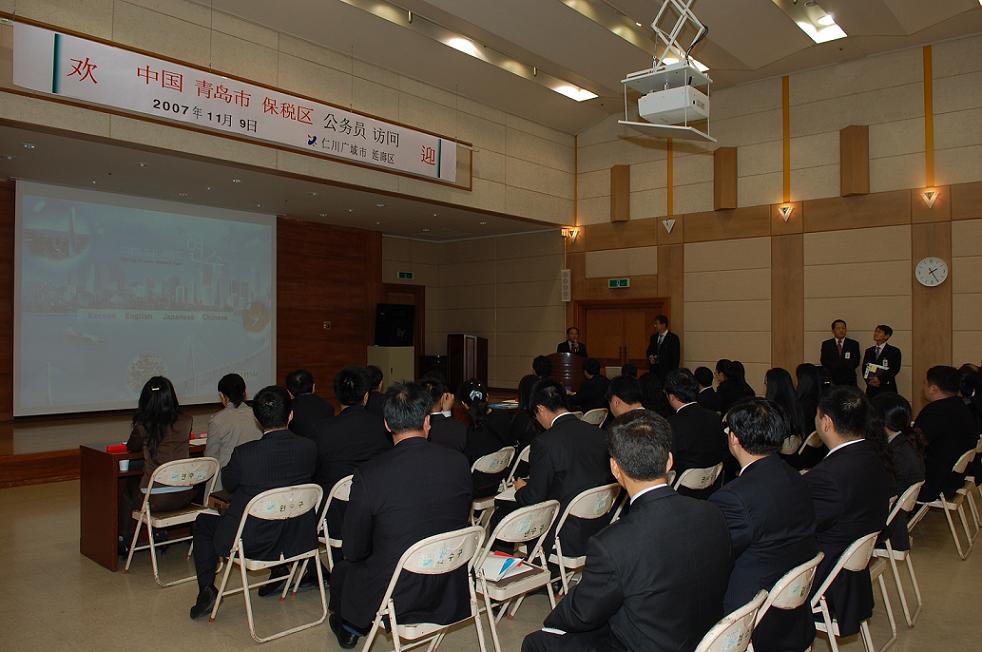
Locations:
(581, 306)
(419, 317)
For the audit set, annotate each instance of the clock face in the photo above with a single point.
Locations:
(931, 271)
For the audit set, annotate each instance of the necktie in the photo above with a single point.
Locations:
(661, 338)
(879, 350)
(838, 343)
(576, 347)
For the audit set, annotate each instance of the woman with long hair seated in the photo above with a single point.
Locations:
(906, 447)
(162, 431)
(779, 388)
(487, 432)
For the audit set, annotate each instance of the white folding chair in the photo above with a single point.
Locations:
(490, 464)
(179, 473)
(521, 457)
(956, 504)
(524, 525)
(791, 444)
(906, 503)
(970, 488)
(578, 414)
(436, 555)
(341, 491)
(811, 441)
(855, 558)
(588, 505)
(274, 505)
(791, 591)
(696, 479)
(877, 568)
(595, 416)
(732, 633)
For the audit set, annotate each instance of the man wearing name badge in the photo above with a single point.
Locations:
(840, 356)
(881, 362)
(572, 343)
(664, 348)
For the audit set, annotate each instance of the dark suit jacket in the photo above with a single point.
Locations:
(566, 459)
(669, 356)
(376, 402)
(657, 587)
(279, 459)
(951, 430)
(448, 432)
(592, 394)
(772, 529)
(909, 468)
(344, 443)
(709, 399)
(563, 347)
(850, 490)
(697, 441)
(731, 392)
(841, 370)
(889, 357)
(410, 492)
(308, 411)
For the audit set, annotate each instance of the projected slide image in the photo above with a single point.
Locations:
(111, 295)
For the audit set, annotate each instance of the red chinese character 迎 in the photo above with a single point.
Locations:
(84, 70)
(427, 155)
(173, 80)
(204, 88)
(147, 74)
(269, 106)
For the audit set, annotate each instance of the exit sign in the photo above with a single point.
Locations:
(615, 283)
(405, 276)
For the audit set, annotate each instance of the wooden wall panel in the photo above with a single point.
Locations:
(7, 207)
(725, 178)
(671, 285)
(620, 193)
(787, 301)
(636, 233)
(794, 223)
(966, 201)
(931, 307)
(324, 273)
(861, 211)
(750, 222)
(854, 160)
(593, 289)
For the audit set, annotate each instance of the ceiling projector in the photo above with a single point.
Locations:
(681, 104)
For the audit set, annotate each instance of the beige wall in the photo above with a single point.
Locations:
(506, 289)
(966, 279)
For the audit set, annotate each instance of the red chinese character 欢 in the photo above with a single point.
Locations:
(242, 98)
(84, 70)
(204, 88)
(221, 93)
(303, 114)
(288, 110)
(269, 106)
(427, 155)
(147, 74)
(173, 80)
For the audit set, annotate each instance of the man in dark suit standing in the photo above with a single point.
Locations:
(768, 509)
(444, 429)
(640, 589)
(413, 491)
(279, 459)
(840, 356)
(887, 356)
(850, 491)
(707, 395)
(309, 409)
(697, 433)
(950, 429)
(572, 343)
(664, 349)
(593, 392)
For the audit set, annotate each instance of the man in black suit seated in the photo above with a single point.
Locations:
(308, 408)
(444, 429)
(376, 397)
(707, 395)
(572, 343)
(850, 491)
(840, 356)
(279, 459)
(593, 392)
(541, 368)
(697, 432)
(655, 579)
(624, 395)
(950, 430)
(664, 349)
(881, 381)
(410, 492)
(768, 509)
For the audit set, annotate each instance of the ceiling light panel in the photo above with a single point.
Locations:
(808, 15)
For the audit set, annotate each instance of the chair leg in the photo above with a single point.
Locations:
(865, 635)
(889, 610)
(153, 554)
(900, 587)
(917, 588)
(968, 536)
(223, 585)
(248, 598)
(494, 629)
(477, 624)
(951, 527)
(396, 643)
(829, 625)
(376, 626)
(136, 534)
(918, 515)
(975, 512)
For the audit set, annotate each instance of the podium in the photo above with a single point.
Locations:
(567, 369)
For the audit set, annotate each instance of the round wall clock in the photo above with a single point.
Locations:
(931, 271)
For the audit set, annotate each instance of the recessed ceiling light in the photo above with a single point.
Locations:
(638, 24)
(424, 230)
(463, 45)
(141, 164)
(323, 214)
(826, 20)
(312, 194)
(93, 182)
(207, 187)
(259, 205)
(483, 223)
(351, 210)
(30, 146)
(182, 194)
(574, 93)
(10, 157)
(380, 205)
(435, 214)
(236, 180)
(377, 223)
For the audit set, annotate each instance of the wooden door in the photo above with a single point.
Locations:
(606, 328)
(411, 295)
(618, 332)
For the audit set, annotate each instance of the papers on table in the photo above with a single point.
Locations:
(499, 565)
(200, 441)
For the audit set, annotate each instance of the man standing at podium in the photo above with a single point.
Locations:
(572, 343)
(664, 349)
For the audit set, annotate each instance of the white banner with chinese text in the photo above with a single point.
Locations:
(61, 64)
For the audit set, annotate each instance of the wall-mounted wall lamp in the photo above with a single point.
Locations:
(929, 197)
(786, 212)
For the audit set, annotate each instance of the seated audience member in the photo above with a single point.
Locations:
(970, 390)
(707, 395)
(572, 343)
(629, 369)
(162, 431)
(906, 453)
(444, 429)
(522, 428)
(645, 586)
(653, 395)
(541, 368)
(569, 457)
(808, 393)
(779, 388)
(850, 491)
(376, 397)
(308, 408)
(279, 459)
(733, 385)
(624, 395)
(487, 432)
(697, 433)
(234, 424)
(410, 492)
(950, 430)
(593, 392)
(768, 509)
(348, 440)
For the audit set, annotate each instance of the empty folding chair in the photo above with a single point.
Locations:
(698, 479)
(906, 503)
(179, 473)
(491, 464)
(595, 416)
(956, 504)
(732, 633)
(791, 591)
(855, 558)
(273, 505)
(590, 504)
(524, 525)
(436, 555)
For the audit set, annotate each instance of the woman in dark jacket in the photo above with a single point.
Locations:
(906, 452)
(487, 432)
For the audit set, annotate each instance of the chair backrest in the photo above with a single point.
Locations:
(978, 446)
(341, 491)
(790, 444)
(854, 558)
(963, 461)
(791, 591)
(524, 524)
(281, 504)
(811, 441)
(906, 502)
(595, 416)
(732, 633)
(699, 478)
(578, 414)
(590, 504)
(494, 463)
(185, 473)
(521, 457)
